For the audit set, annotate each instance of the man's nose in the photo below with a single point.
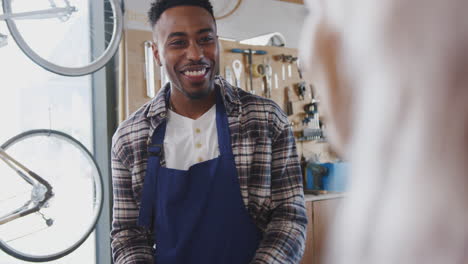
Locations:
(195, 52)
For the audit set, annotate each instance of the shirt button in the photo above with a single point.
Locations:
(200, 159)
(198, 145)
(197, 130)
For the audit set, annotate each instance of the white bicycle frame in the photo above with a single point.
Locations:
(62, 13)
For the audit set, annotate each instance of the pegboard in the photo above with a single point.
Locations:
(311, 149)
(278, 94)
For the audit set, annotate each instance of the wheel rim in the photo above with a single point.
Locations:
(98, 191)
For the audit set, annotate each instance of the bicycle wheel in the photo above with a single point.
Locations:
(71, 44)
(74, 209)
(224, 8)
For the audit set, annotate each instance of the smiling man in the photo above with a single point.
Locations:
(204, 172)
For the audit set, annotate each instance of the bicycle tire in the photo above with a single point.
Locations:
(94, 66)
(99, 194)
(221, 15)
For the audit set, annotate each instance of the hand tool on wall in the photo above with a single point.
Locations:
(268, 77)
(286, 59)
(317, 125)
(258, 70)
(313, 130)
(237, 66)
(283, 59)
(249, 53)
(283, 72)
(149, 70)
(276, 81)
(289, 103)
(299, 70)
(291, 60)
(301, 89)
(228, 73)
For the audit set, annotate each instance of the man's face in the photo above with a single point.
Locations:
(187, 47)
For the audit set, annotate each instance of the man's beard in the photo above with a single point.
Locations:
(199, 95)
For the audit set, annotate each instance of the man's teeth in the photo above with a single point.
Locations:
(195, 73)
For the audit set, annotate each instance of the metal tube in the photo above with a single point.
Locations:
(40, 14)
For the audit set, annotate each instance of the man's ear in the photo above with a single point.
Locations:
(154, 46)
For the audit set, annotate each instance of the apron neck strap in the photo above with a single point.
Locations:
(222, 125)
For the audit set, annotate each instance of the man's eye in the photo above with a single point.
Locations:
(177, 43)
(206, 39)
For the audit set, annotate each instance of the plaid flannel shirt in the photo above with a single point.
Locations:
(267, 165)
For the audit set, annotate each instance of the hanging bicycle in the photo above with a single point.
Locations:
(51, 195)
(67, 37)
(225, 8)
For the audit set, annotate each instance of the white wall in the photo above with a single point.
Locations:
(254, 17)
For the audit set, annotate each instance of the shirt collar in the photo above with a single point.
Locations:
(230, 98)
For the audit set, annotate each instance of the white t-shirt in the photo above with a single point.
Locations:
(189, 141)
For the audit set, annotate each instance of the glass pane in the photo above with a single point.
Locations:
(33, 98)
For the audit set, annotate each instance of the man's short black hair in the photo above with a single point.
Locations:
(159, 6)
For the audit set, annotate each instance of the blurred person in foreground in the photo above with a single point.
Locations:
(393, 80)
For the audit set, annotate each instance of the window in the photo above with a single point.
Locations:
(33, 98)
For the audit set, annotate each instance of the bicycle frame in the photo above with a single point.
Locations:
(63, 13)
(42, 190)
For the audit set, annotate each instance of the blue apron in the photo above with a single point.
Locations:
(198, 215)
